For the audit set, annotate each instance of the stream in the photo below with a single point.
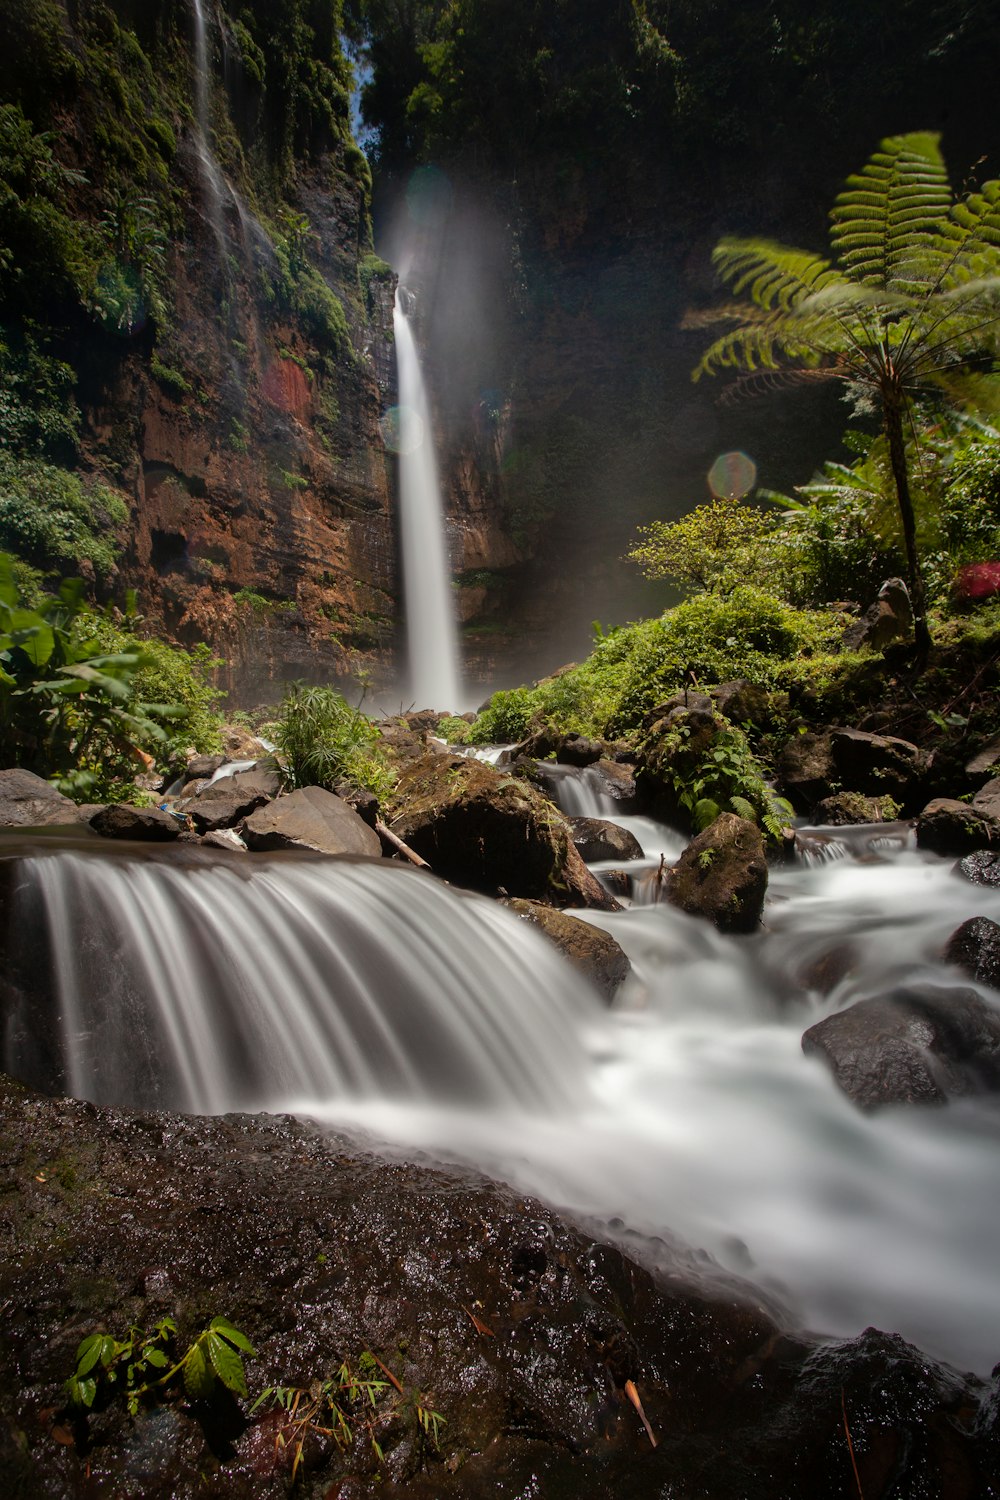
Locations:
(424, 1019)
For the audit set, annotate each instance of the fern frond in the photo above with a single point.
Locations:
(774, 276)
(977, 217)
(892, 224)
(764, 382)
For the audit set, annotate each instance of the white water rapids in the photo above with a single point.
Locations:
(372, 996)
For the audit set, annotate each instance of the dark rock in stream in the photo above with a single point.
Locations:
(918, 1045)
(226, 801)
(947, 826)
(148, 824)
(975, 947)
(722, 875)
(982, 867)
(523, 1331)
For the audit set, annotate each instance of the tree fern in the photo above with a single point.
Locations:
(912, 300)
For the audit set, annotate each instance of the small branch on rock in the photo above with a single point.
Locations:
(633, 1396)
(395, 842)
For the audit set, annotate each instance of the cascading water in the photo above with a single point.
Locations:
(376, 998)
(213, 181)
(430, 617)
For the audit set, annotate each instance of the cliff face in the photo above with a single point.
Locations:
(223, 324)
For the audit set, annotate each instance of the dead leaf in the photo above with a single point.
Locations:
(633, 1396)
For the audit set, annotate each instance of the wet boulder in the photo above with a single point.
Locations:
(743, 702)
(490, 831)
(226, 801)
(597, 839)
(311, 819)
(975, 947)
(878, 764)
(26, 801)
(947, 826)
(123, 821)
(593, 952)
(203, 767)
(981, 867)
(722, 875)
(920, 1044)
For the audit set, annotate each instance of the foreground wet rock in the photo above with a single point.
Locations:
(947, 826)
(534, 1341)
(314, 820)
(922, 1044)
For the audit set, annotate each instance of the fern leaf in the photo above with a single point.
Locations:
(892, 226)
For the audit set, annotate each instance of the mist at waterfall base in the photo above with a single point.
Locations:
(374, 998)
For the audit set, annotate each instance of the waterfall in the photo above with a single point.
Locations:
(213, 181)
(431, 631)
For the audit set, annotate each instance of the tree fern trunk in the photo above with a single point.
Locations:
(892, 410)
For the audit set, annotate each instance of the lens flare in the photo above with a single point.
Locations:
(402, 429)
(732, 475)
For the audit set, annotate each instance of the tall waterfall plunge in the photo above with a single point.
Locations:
(431, 632)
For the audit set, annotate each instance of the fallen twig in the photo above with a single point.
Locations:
(633, 1396)
(395, 842)
(850, 1445)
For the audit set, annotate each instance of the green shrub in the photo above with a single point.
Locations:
(324, 741)
(507, 718)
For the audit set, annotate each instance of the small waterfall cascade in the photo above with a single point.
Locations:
(432, 634)
(206, 988)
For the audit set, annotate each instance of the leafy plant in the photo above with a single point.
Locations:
(911, 304)
(506, 718)
(713, 547)
(323, 741)
(140, 1367)
(717, 776)
(342, 1406)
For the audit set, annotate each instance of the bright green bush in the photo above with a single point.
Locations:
(323, 741)
(506, 719)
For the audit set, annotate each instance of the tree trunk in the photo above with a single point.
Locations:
(892, 410)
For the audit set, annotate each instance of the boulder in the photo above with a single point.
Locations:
(982, 867)
(490, 831)
(311, 819)
(946, 826)
(596, 839)
(26, 801)
(846, 809)
(975, 947)
(985, 758)
(806, 772)
(877, 764)
(987, 799)
(222, 838)
(670, 756)
(122, 821)
(591, 950)
(225, 802)
(722, 875)
(202, 767)
(917, 1045)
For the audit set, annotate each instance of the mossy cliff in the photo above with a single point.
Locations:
(195, 334)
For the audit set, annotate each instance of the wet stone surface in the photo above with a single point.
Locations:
(522, 1330)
